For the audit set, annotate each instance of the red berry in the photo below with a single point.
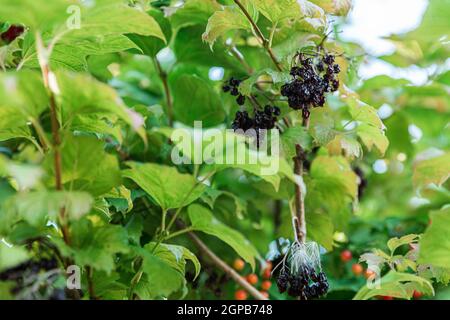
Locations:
(267, 274)
(239, 264)
(240, 295)
(265, 285)
(252, 279)
(346, 256)
(417, 294)
(357, 269)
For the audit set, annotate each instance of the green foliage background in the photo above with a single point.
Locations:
(137, 69)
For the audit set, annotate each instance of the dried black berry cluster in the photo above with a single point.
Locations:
(306, 284)
(232, 86)
(313, 78)
(265, 119)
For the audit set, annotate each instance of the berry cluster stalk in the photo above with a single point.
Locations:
(300, 226)
(163, 76)
(300, 229)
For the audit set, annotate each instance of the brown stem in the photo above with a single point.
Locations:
(277, 211)
(57, 160)
(226, 268)
(167, 94)
(259, 34)
(300, 224)
(90, 281)
(244, 63)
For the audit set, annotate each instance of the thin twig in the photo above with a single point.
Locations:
(226, 268)
(239, 57)
(90, 281)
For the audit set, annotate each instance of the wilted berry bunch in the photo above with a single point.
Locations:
(300, 272)
(33, 280)
(263, 119)
(313, 77)
(307, 284)
(232, 86)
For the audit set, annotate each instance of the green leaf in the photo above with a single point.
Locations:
(314, 19)
(81, 94)
(364, 113)
(26, 176)
(199, 52)
(194, 12)
(373, 137)
(95, 246)
(331, 188)
(320, 229)
(435, 242)
(120, 197)
(195, 100)
(397, 285)
(322, 126)
(435, 23)
(35, 14)
(203, 220)
(435, 170)
(337, 169)
(175, 256)
(22, 98)
(221, 22)
(370, 128)
(97, 21)
(86, 166)
(394, 243)
(295, 136)
(160, 278)
(345, 144)
(169, 188)
(98, 124)
(151, 45)
(38, 206)
(11, 256)
(278, 10)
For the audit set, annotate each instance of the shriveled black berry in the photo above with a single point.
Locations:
(336, 68)
(276, 111)
(226, 88)
(335, 85)
(309, 85)
(329, 59)
(282, 282)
